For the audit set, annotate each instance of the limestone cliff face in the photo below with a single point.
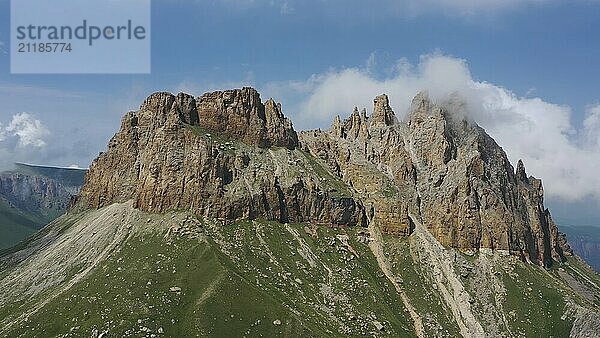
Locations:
(224, 154)
(445, 170)
(35, 193)
(228, 155)
(241, 114)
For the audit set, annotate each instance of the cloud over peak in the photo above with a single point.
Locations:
(591, 127)
(539, 132)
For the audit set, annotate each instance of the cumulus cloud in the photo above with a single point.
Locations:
(23, 138)
(591, 126)
(539, 132)
(28, 130)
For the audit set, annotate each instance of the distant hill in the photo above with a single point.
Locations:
(32, 196)
(585, 242)
(70, 177)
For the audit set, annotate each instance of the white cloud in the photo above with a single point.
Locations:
(28, 130)
(539, 132)
(591, 127)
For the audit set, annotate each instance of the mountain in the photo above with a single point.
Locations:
(445, 171)
(32, 196)
(224, 155)
(212, 216)
(585, 241)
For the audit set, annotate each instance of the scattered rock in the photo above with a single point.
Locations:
(378, 325)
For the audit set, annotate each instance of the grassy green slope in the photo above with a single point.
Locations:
(535, 303)
(15, 225)
(175, 276)
(237, 280)
(508, 296)
(437, 317)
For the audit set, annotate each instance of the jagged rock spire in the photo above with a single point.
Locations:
(454, 177)
(520, 172)
(421, 102)
(239, 113)
(337, 128)
(353, 124)
(382, 112)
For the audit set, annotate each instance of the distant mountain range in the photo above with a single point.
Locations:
(32, 196)
(585, 242)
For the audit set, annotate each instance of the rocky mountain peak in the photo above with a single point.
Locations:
(382, 112)
(208, 154)
(420, 103)
(441, 168)
(237, 113)
(520, 172)
(188, 189)
(224, 155)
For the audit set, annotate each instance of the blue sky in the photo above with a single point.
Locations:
(539, 58)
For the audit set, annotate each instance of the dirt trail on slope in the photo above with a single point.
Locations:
(447, 281)
(376, 246)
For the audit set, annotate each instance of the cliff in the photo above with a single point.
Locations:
(440, 167)
(32, 196)
(42, 192)
(222, 155)
(228, 155)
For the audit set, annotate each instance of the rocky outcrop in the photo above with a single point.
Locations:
(222, 155)
(34, 193)
(241, 114)
(446, 170)
(228, 155)
(40, 193)
(382, 112)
